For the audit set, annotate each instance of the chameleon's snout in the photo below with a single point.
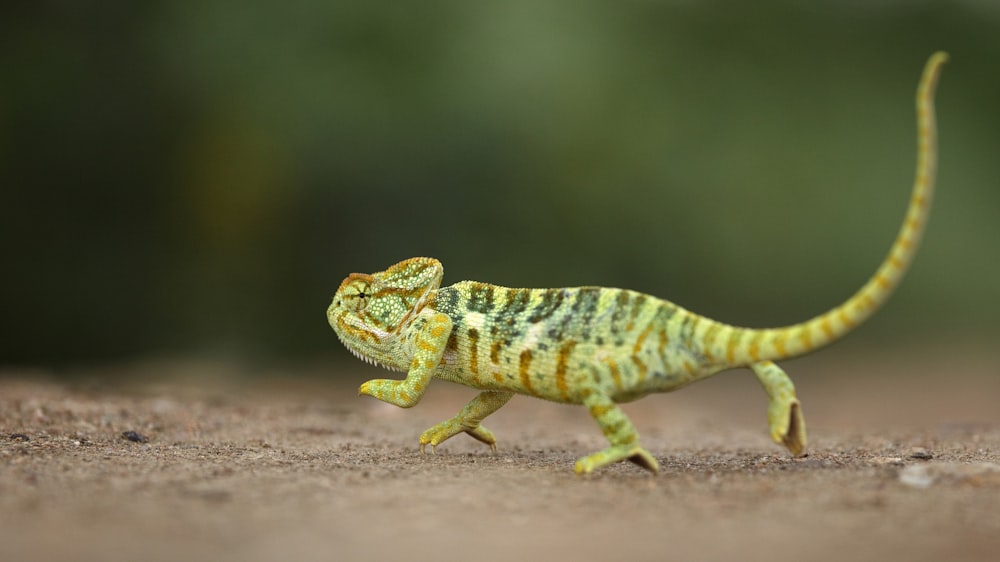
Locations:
(330, 310)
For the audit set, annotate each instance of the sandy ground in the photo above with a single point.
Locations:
(904, 464)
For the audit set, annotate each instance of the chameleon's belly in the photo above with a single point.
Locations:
(568, 376)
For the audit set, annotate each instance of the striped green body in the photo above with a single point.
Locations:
(554, 343)
(591, 345)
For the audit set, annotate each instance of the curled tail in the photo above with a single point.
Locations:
(746, 346)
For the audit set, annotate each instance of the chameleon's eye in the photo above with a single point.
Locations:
(355, 297)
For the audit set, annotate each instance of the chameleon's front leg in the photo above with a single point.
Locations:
(468, 420)
(784, 413)
(619, 431)
(430, 339)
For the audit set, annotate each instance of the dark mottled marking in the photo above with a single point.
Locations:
(643, 370)
(552, 299)
(622, 298)
(480, 298)
(447, 299)
(663, 338)
(641, 339)
(452, 344)
(495, 352)
(684, 332)
(619, 310)
(473, 350)
(664, 312)
(635, 310)
(525, 372)
(586, 303)
(778, 342)
(708, 341)
(580, 313)
(515, 304)
(559, 332)
(561, 365)
(585, 297)
(692, 329)
(733, 344)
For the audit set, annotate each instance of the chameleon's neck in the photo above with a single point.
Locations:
(744, 345)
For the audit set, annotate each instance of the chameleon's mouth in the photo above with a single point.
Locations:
(366, 358)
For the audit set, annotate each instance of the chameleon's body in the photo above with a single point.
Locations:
(591, 345)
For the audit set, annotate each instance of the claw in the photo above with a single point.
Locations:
(789, 428)
(616, 453)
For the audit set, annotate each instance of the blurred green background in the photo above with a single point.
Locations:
(196, 178)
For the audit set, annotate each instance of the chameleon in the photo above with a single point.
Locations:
(596, 346)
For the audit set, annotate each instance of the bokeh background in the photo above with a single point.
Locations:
(195, 178)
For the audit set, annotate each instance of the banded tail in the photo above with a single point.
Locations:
(745, 346)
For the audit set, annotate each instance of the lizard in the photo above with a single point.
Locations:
(595, 346)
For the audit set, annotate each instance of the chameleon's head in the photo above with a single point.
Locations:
(369, 312)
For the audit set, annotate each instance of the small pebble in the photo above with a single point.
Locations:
(19, 437)
(135, 436)
(917, 476)
(920, 453)
(925, 474)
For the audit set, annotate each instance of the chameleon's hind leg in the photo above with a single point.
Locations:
(784, 413)
(620, 432)
(468, 420)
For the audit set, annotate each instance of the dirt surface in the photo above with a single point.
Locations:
(904, 464)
